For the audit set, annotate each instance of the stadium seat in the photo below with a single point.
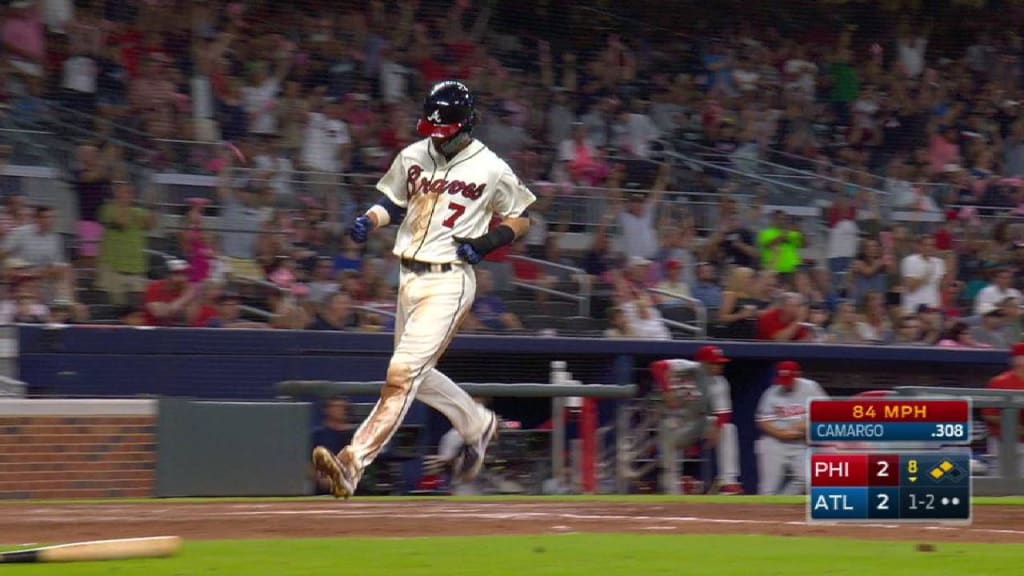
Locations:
(539, 321)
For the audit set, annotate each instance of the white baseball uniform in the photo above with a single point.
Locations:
(728, 449)
(443, 199)
(785, 409)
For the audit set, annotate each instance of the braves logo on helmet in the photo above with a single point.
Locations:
(448, 110)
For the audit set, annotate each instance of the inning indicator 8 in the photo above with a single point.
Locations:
(938, 421)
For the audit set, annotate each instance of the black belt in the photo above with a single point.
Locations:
(418, 267)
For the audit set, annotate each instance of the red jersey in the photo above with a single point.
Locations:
(1005, 381)
(160, 291)
(771, 323)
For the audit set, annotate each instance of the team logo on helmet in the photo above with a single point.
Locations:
(435, 116)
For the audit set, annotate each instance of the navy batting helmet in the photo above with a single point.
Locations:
(448, 109)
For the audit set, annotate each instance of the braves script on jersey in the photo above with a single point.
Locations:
(788, 408)
(449, 198)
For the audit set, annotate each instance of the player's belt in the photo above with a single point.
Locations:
(417, 267)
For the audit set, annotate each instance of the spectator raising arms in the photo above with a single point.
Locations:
(123, 261)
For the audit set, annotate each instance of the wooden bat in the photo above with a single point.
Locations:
(122, 549)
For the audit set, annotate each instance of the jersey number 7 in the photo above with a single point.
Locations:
(457, 211)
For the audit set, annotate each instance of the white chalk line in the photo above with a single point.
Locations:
(355, 510)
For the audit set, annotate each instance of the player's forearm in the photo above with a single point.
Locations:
(520, 226)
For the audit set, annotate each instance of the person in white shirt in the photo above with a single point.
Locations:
(327, 148)
(636, 221)
(991, 296)
(842, 247)
(261, 97)
(922, 274)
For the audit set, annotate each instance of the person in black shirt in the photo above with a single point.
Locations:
(732, 243)
(335, 432)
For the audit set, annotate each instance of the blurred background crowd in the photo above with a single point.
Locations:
(846, 172)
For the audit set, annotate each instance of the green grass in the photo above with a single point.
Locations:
(564, 555)
(623, 498)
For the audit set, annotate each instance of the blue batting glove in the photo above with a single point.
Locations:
(360, 229)
(468, 254)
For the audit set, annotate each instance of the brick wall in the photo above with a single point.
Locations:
(77, 456)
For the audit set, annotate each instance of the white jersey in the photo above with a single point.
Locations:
(719, 395)
(449, 198)
(787, 409)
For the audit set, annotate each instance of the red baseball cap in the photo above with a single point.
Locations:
(676, 265)
(787, 372)
(711, 355)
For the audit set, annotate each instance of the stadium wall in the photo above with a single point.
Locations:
(241, 364)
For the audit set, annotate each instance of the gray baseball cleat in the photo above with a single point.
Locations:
(470, 460)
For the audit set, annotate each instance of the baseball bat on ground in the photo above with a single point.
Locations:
(122, 549)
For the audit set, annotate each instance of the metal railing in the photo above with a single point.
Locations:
(1009, 402)
(700, 327)
(583, 298)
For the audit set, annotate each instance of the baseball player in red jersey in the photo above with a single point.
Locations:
(444, 189)
(1012, 379)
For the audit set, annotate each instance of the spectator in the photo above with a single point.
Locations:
(785, 322)
(673, 284)
(869, 273)
(323, 283)
(335, 432)
(167, 301)
(845, 327)
(228, 313)
(910, 332)
(874, 325)
(489, 311)
(999, 290)
(24, 39)
(737, 316)
(241, 218)
(196, 243)
(732, 242)
(637, 220)
(842, 242)
(92, 178)
(707, 289)
(328, 146)
(959, 336)
(991, 332)
(642, 318)
(123, 261)
(922, 273)
(39, 246)
(617, 327)
(335, 314)
(781, 243)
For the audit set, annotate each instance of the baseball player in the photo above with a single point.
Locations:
(697, 406)
(1012, 379)
(782, 418)
(444, 189)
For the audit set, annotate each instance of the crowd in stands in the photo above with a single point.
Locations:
(283, 99)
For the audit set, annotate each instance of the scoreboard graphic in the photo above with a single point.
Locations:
(856, 473)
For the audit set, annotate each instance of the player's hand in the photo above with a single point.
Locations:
(467, 252)
(360, 229)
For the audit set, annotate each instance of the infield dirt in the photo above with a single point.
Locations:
(45, 523)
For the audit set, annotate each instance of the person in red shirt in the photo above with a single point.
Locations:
(1012, 379)
(785, 322)
(167, 301)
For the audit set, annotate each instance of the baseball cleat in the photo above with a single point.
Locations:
(329, 466)
(470, 460)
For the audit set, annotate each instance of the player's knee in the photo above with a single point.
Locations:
(399, 379)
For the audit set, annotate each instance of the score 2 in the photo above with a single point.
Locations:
(883, 470)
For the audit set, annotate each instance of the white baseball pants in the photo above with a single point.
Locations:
(431, 306)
